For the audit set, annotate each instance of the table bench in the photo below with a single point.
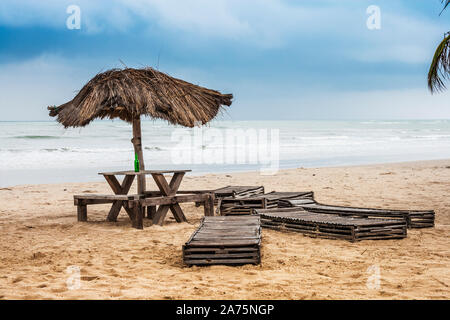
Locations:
(158, 203)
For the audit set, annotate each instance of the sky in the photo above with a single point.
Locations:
(282, 60)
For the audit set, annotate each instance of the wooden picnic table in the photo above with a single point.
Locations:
(166, 189)
(166, 198)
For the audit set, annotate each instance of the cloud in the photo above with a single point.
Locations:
(258, 23)
(268, 53)
(402, 38)
(30, 86)
(261, 21)
(415, 103)
(203, 16)
(97, 16)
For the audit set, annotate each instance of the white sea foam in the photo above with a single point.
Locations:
(28, 149)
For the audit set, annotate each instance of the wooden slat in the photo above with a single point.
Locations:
(222, 255)
(129, 211)
(221, 250)
(126, 184)
(224, 240)
(114, 211)
(178, 213)
(209, 205)
(114, 184)
(175, 182)
(122, 173)
(411, 216)
(162, 183)
(220, 261)
(331, 226)
(241, 205)
(138, 222)
(151, 211)
(82, 212)
(160, 214)
(109, 197)
(173, 199)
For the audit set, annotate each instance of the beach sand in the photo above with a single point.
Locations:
(40, 238)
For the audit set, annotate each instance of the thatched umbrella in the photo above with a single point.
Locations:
(129, 93)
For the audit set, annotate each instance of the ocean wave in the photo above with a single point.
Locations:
(68, 150)
(430, 136)
(384, 122)
(153, 148)
(57, 149)
(324, 138)
(38, 137)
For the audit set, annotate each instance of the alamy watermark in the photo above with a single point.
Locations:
(374, 20)
(228, 146)
(73, 280)
(374, 280)
(74, 19)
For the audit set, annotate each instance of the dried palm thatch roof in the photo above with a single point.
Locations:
(128, 93)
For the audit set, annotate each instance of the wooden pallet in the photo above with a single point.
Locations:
(237, 191)
(246, 205)
(414, 218)
(229, 191)
(331, 226)
(225, 240)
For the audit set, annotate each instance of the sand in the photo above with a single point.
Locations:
(41, 242)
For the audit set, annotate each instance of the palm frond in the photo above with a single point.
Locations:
(446, 3)
(440, 66)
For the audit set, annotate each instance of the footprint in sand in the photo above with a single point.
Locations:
(89, 278)
(113, 273)
(385, 294)
(115, 293)
(37, 255)
(17, 279)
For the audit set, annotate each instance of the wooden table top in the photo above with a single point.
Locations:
(129, 173)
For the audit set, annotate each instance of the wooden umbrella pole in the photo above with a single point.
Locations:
(137, 143)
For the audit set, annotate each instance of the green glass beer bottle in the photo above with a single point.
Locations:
(136, 163)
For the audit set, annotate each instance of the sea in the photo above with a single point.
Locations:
(45, 152)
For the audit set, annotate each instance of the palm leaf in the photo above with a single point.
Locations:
(440, 66)
(446, 3)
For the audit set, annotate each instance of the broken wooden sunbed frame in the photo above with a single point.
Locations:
(331, 226)
(413, 218)
(230, 191)
(243, 205)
